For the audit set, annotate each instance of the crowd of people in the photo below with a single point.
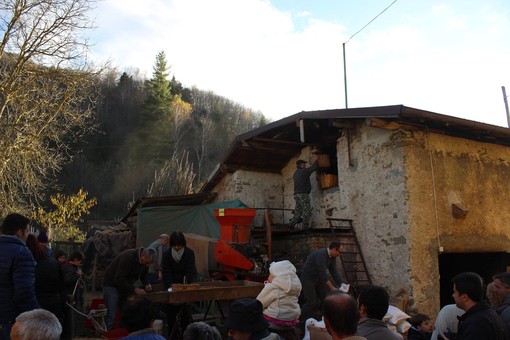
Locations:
(36, 289)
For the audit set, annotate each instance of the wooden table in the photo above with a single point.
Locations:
(208, 291)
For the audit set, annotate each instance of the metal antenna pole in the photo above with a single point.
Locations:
(506, 106)
(345, 80)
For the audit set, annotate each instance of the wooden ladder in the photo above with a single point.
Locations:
(353, 263)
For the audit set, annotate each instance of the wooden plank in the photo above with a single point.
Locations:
(207, 291)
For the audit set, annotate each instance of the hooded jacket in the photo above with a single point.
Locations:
(280, 297)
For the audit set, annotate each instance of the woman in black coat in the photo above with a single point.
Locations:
(49, 280)
(178, 266)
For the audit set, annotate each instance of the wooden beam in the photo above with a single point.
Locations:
(279, 141)
(376, 122)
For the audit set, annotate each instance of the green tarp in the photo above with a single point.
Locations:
(200, 220)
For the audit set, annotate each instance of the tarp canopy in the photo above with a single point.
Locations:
(200, 220)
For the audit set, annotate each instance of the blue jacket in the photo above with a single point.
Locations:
(17, 279)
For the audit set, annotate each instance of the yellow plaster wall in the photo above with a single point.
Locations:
(472, 174)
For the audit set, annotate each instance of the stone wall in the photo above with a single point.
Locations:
(373, 194)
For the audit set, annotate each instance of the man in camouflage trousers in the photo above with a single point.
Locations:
(302, 188)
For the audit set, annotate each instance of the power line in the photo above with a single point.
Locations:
(384, 10)
(345, 67)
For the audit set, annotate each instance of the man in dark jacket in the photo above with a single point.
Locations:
(126, 275)
(302, 189)
(17, 273)
(480, 322)
(315, 280)
(501, 289)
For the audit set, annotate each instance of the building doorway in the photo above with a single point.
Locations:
(484, 264)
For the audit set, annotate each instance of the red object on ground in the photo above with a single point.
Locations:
(235, 223)
(116, 332)
(228, 256)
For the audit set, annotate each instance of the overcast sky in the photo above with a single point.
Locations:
(285, 56)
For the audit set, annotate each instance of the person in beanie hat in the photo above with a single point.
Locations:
(246, 322)
(43, 241)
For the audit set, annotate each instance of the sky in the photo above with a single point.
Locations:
(281, 57)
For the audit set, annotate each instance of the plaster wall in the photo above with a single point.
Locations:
(255, 189)
(373, 193)
(441, 171)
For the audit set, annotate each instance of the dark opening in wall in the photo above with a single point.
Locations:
(484, 264)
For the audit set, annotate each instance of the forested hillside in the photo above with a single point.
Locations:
(153, 137)
(79, 137)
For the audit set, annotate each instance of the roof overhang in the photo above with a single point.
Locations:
(271, 147)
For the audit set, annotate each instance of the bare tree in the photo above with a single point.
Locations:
(47, 92)
(204, 127)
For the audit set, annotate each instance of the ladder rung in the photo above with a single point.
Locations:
(352, 258)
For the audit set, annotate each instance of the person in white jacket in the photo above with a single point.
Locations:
(279, 297)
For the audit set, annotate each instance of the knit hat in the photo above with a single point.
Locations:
(300, 161)
(42, 237)
(245, 315)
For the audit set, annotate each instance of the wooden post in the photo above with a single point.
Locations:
(268, 235)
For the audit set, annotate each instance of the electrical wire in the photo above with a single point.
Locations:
(434, 189)
(384, 10)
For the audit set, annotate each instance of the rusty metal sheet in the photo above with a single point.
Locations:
(207, 291)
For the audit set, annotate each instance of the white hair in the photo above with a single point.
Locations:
(37, 324)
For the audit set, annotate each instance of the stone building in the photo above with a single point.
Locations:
(428, 193)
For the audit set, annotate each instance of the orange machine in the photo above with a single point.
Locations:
(235, 223)
(237, 258)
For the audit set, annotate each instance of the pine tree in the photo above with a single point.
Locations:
(153, 142)
(157, 105)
